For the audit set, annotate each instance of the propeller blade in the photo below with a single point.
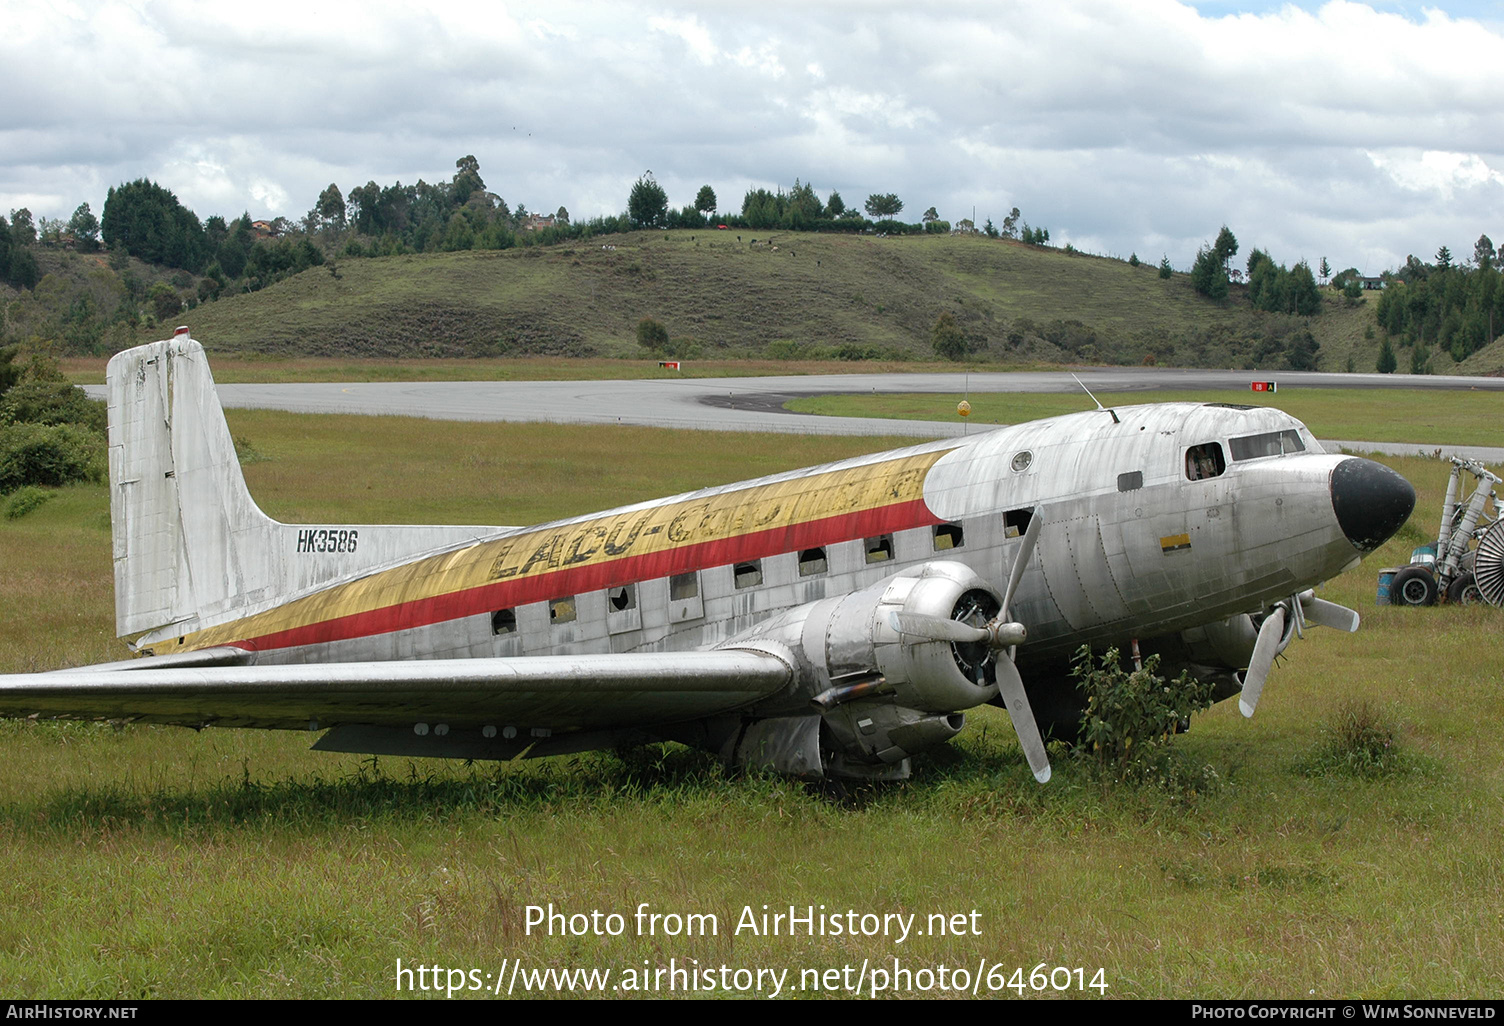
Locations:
(1328, 614)
(1264, 651)
(1020, 561)
(1010, 688)
(933, 628)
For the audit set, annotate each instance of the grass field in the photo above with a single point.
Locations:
(160, 862)
(1373, 415)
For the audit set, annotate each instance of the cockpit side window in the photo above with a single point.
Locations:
(1272, 443)
(1204, 461)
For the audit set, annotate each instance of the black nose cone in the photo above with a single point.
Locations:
(1371, 502)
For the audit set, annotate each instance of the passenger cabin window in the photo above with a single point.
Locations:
(880, 549)
(622, 599)
(504, 621)
(812, 561)
(948, 536)
(561, 610)
(1131, 481)
(1204, 461)
(683, 586)
(1272, 443)
(747, 575)
(1016, 522)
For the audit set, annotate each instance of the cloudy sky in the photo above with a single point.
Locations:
(1356, 131)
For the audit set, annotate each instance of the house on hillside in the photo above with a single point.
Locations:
(537, 222)
(264, 229)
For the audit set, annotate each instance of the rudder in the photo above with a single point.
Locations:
(191, 547)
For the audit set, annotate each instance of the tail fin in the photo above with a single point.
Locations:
(190, 545)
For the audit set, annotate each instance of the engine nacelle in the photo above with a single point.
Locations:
(884, 696)
(1214, 652)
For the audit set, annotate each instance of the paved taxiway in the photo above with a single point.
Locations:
(756, 404)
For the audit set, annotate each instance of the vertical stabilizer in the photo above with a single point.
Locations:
(185, 528)
(190, 544)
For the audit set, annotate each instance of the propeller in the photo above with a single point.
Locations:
(1271, 632)
(1328, 614)
(998, 633)
(1305, 608)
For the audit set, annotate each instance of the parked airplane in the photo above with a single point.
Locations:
(835, 620)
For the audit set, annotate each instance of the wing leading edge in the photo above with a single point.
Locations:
(537, 696)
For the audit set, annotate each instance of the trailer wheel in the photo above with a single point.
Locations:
(1464, 591)
(1413, 586)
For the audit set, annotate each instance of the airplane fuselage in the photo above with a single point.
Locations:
(1139, 541)
(835, 619)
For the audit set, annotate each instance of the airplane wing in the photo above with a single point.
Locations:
(538, 696)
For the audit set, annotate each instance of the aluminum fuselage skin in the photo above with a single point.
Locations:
(1131, 548)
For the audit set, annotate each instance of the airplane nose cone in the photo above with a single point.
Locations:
(1371, 501)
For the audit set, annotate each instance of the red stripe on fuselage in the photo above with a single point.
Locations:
(627, 570)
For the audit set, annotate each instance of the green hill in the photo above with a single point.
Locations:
(741, 294)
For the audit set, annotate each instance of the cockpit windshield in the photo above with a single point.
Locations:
(1271, 443)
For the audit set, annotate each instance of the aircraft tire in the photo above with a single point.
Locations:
(1413, 586)
(1464, 591)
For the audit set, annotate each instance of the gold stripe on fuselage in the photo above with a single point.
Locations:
(619, 535)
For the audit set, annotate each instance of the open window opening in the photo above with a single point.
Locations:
(623, 598)
(561, 610)
(504, 621)
(1204, 461)
(948, 536)
(1016, 522)
(747, 575)
(812, 561)
(879, 549)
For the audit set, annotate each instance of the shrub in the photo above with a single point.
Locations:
(246, 451)
(49, 454)
(1360, 743)
(947, 338)
(24, 501)
(1130, 719)
(651, 335)
(51, 402)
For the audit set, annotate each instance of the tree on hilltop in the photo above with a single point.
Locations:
(1209, 275)
(1226, 247)
(647, 206)
(84, 227)
(705, 200)
(882, 205)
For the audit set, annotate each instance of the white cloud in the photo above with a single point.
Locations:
(1310, 128)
